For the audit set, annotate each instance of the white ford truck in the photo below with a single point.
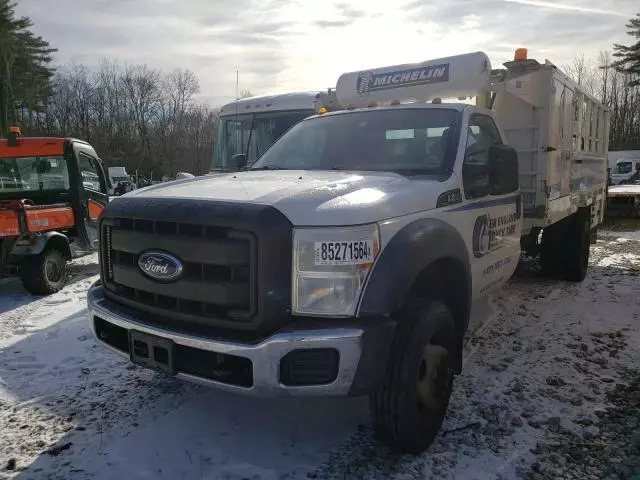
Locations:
(346, 259)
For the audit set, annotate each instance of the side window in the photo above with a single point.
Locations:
(481, 135)
(90, 173)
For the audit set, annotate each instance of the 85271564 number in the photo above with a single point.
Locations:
(343, 252)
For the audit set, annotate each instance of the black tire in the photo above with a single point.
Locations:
(45, 273)
(576, 259)
(409, 408)
(564, 252)
(551, 250)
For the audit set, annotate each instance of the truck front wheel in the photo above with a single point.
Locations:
(409, 408)
(44, 273)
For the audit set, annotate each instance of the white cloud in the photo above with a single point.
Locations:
(569, 7)
(304, 45)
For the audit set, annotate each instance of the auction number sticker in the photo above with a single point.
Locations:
(343, 253)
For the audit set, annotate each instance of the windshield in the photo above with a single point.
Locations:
(407, 141)
(28, 174)
(251, 134)
(624, 167)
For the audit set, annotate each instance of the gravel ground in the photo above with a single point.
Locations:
(550, 380)
(549, 390)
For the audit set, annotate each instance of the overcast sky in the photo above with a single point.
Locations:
(291, 45)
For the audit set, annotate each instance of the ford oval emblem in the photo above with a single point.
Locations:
(160, 266)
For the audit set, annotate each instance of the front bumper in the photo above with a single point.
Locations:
(361, 351)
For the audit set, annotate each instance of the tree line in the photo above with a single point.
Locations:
(133, 115)
(615, 81)
(617, 92)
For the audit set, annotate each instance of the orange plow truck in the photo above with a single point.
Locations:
(52, 191)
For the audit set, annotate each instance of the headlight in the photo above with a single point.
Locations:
(330, 266)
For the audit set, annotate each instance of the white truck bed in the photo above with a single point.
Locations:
(561, 135)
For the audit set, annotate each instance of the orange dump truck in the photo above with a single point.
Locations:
(52, 191)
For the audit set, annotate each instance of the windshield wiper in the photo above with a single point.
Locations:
(269, 167)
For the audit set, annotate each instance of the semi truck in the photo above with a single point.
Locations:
(627, 171)
(120, 181)
(346, 259)
(248, 126)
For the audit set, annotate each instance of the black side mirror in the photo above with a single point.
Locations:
(475, 172)
(239, 161)
(503, 169)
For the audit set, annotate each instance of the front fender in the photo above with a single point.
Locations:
(39, 243)
(408, 253)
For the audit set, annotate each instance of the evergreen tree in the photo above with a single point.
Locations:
(25, 71)
(629, 56)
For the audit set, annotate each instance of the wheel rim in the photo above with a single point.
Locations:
(53, 270)
(434, 384)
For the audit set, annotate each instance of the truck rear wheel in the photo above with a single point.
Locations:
(409, 408)
(565, 247)
(576, 261)
(551, 250)
(45, 273)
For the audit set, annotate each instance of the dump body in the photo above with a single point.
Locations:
(561, 135)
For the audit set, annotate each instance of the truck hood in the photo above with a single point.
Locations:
(311, 197)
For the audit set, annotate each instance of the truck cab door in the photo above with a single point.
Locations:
(93, 194)
(490, 180)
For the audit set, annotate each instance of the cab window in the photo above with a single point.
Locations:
(33, 174)
(90, 173)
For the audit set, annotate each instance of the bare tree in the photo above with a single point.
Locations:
(582, 72)
(134, 116)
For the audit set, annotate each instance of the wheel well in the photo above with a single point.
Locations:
(60, 243)
(446, 280)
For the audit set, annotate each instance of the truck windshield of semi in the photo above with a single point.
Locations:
(250, 125)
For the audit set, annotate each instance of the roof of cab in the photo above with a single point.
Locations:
(32, 146)
(458, 107)
(36, 146)
(266, 103)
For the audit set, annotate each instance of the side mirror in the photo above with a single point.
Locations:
(503, 169)
(239, 161)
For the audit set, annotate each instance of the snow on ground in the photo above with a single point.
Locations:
(538, 374)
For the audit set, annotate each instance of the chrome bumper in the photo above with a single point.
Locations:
(265, 356)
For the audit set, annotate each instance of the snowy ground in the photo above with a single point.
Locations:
(548, 383)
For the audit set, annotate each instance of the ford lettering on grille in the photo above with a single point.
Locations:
(160, 266)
